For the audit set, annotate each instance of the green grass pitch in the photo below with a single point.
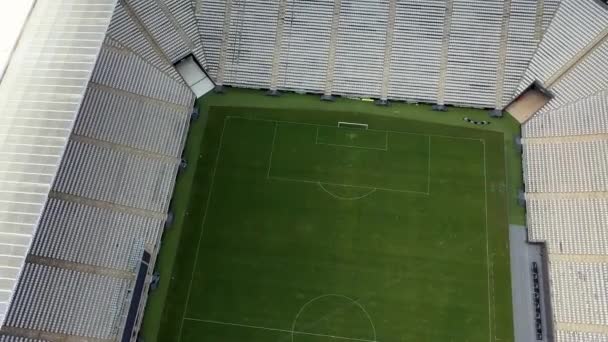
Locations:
(302, 231)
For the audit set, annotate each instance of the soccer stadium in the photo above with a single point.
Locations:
(304, 170)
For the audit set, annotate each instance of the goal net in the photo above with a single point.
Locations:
(356, 125)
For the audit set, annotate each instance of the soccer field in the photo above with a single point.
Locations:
(311, 232)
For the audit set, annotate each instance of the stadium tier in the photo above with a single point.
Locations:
(94, 118)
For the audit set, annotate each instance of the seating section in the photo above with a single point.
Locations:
(117, 176)
(522, 41)
(549, 9)
(474, 42)
(161, 26)
(583, 117)
(251, 43)
(108, 203)
(136, 121)
(586, 78)
(7, 338)
(572, 166)
(123, 69)
(569, 225)
(185, 22)
(578, 336)
(40, 93)
(95, 236)
(132, 34)
(210, 16)
(416, 57)
(307, 28)
(68, 302)
(579, 292)
(359, 61)
(475, 38)
(574, 27)
(565, 166)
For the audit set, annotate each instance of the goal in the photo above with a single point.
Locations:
(356, 125)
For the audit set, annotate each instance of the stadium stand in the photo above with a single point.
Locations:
(569, 225)
(359, 56)
(36, 121)
(473, 58)
(250, 43)
(577, 336)
(576, 31)
(90, 235)
(107, 206)
(566, 166)
(436, 54)
(67, 302)
(130, 32)
(6, 338)
(564, 154)
(210, 16)
(583, 117)
(580, 297)
(308, 26)
(417, 46)
(90, 221)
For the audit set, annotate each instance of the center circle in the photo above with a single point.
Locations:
(321, 309)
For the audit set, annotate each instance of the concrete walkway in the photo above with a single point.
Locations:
(522, 256)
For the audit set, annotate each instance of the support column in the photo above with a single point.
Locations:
(388, 52)
(502, 58)
(443, 67)
(331, 59)
(144, 31)
(224, 48)
(278, 44)
(538, 25)
(163, 7)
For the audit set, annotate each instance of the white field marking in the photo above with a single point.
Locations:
(276, 126)
(200, 238)
(371, 191)
(428, 182)
(351, 146)
(346, 185)
(362, 125)
(371, 188)
(485, 191)
(276, 329)
(369, 317)
(386, 142)
(370, 129)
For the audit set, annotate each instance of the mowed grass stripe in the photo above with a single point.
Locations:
(270, 247)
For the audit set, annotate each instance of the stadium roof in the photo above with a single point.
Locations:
(44, 78)
(12, 19)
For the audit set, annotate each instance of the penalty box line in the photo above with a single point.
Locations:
(293, 332)
(374, 188)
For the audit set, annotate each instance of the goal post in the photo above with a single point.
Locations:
(355, 125)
